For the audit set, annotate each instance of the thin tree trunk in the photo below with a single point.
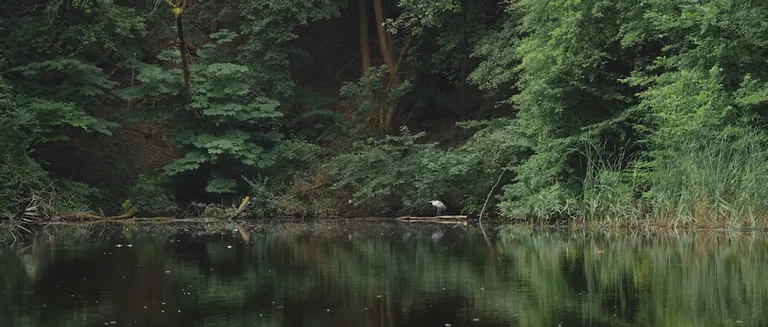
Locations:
(184, 57)
(365, 49)
(386, 50)
(386, 54)
(394, 80)
(503, 170)
(389, 123)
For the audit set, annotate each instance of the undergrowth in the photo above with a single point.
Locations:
(715, 181)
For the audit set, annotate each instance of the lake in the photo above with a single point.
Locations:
(382, 274)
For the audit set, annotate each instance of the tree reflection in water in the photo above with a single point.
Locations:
(383, 274)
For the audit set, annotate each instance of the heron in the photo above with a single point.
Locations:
(438, 235)
(439, 205)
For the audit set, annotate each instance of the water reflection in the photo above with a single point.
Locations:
(382, 274)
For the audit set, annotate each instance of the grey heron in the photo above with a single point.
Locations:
(439, 205)
(438, 235)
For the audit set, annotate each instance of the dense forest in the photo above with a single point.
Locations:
(568, 109)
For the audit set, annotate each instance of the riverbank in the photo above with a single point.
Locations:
(13, 232)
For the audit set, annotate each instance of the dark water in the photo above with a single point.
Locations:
(382, 274)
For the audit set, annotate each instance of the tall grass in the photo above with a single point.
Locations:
(717, 181)
(608, 187)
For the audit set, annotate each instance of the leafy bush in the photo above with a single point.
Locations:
(381, 174)
(299, 186)
(223, 127)
(464, 175)
(19, 174)
(372, 96)
(75, 196)
(398, 174)
(263, 200)
(152, 196)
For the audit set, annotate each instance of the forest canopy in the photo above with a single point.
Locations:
(570, 109)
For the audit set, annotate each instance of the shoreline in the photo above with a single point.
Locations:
(645, 225)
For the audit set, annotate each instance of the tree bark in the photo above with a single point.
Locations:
(87, 215)
(394, 80)
(184, 56)
(386, 50)
(386, 114)
(365, 49)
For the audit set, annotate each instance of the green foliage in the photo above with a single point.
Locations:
(718, 180)
(463, 176)
(151, 196)
(264, 202)
(84, 27)
(497, 49)
(53, 66)
(70, 89)
(420, 14)
(609, 186)
(534, 86)
(380, 174)
(401, 172)
(369, 96)
(19, 174)
(568, 70)
(225, 126)
(75, 196)
(599, 72)
(155, 81)
(315, 120)
(23, 182)
(270, 28)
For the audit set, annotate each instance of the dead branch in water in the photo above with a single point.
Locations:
(90, 216)
(438, 221)
(451, 217)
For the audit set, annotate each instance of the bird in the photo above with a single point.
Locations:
(438, 235)
(439, 205)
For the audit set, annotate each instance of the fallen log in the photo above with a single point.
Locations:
(242, 206)
(449, 217)
(438, 221)
(90, 216)
(136, 220)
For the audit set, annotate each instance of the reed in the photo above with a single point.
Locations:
(716, 182)
(697, 182)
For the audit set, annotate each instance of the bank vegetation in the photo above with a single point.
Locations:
(587, 111)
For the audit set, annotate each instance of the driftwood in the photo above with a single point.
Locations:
(241, 208)
(90, 216)
(438, 221)
(433, 218)
(152, 220)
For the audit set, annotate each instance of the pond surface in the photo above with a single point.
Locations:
(382, 274)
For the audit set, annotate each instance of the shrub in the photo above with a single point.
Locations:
(151, 196)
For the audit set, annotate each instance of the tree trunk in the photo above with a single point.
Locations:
(184, 57)
(386, 50)
(389, 123)
(365, 49)
(394, 81)
(386, 114)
